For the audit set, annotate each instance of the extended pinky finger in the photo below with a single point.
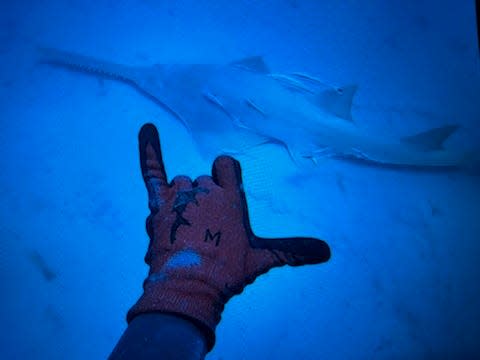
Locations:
(152, 166)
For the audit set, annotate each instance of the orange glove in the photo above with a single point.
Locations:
(202, 249)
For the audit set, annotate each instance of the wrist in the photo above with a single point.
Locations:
(161, 336)
(192, 297)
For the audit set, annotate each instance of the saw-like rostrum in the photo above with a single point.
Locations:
(232, 107)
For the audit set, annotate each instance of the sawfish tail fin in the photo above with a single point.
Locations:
(431, 140)
(434, 139)
(87, 64)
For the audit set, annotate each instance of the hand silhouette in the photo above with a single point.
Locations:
(202, 249)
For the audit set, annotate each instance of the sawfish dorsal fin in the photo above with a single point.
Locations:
(432, 139)
(252, 63)
(337, 101)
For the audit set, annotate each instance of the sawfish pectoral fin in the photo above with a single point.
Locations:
(432, 139)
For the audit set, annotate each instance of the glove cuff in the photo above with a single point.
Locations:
(190, 298)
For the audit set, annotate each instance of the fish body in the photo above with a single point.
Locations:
(244, 105)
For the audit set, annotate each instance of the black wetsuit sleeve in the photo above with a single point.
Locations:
(160, 336)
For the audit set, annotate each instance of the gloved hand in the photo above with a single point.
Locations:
(202, 249)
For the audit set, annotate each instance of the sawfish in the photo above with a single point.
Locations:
(244, 104)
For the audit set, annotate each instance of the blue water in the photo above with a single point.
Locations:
(403, 281)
